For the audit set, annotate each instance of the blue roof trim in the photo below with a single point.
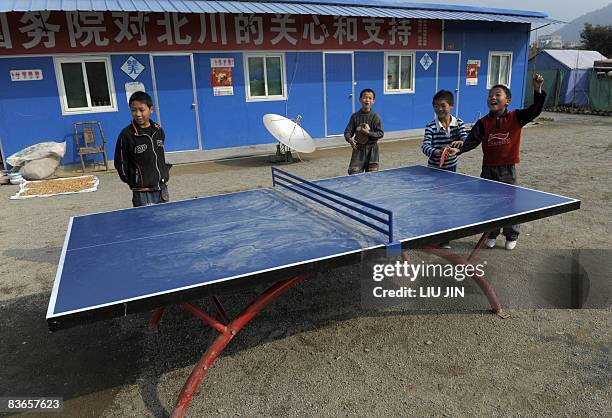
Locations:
(374, 8)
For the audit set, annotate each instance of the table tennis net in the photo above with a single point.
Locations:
(338, 202)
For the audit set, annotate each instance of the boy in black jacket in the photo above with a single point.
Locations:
(139, 154)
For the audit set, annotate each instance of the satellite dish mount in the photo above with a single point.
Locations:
(283, 152)
(291, 137)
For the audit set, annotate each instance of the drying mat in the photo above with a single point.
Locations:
(68, 185)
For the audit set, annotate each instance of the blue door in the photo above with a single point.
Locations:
(177, 111)
(448, 74)
(338, 91)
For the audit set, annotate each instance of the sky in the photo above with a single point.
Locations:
(565, 10)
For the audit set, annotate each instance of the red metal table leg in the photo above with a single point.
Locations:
(478, 247)
(220, 309)
(227, 333)
(486, 288)
(155, 317)
(207, 319)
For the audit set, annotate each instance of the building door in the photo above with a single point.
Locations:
(176, 101)
(338, 90)
(448, 74)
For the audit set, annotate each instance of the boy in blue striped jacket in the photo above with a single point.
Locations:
(445, 131)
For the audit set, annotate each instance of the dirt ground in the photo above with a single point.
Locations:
(316, 351)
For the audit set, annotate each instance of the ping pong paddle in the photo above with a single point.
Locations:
(361, 135)
(443, 157)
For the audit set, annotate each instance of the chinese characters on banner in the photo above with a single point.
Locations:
(221, 76)
(62, 32)
(471, 77)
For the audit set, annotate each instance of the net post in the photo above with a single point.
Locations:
(394, 249)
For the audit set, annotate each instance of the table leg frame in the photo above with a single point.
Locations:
(227, 331)
(486, 288)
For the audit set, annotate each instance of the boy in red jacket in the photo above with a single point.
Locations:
(500, 135)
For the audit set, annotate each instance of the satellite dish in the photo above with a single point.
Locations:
(290, 135)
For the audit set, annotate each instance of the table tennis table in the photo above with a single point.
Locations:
(141, 259)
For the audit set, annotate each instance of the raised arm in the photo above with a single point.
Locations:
(524, 116)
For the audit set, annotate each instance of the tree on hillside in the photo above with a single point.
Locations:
(597, 38)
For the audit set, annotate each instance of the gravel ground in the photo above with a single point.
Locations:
(317, 352)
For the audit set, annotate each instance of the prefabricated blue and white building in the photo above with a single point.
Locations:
(214, 68)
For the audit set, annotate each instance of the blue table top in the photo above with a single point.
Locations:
(116, 257)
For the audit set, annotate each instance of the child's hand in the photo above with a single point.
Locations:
(538, 81)
(452, 151)
(364, 127)
(456, 144)
(353, 143)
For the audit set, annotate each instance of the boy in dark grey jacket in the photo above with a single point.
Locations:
(139, 154)
(363, 131)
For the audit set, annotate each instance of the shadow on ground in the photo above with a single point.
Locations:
(102, 357)
(37, 255)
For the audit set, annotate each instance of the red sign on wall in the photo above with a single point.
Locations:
(65, 32)
(26, 75)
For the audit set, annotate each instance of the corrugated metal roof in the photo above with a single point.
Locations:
(375, 8)
(421, 6)
(575, 58)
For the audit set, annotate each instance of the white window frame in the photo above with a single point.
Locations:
(58, 61)
(247, 84)
(500, 54)
(412, 55)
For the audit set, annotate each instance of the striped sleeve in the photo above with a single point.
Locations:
(427, 145)
(438, 139)
(461, 132)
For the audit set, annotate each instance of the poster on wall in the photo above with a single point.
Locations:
(471, 78)
(133, 87)
(221, 76)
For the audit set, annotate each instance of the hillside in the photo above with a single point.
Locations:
(571, 31)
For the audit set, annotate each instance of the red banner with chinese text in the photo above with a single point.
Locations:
(83, 32)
